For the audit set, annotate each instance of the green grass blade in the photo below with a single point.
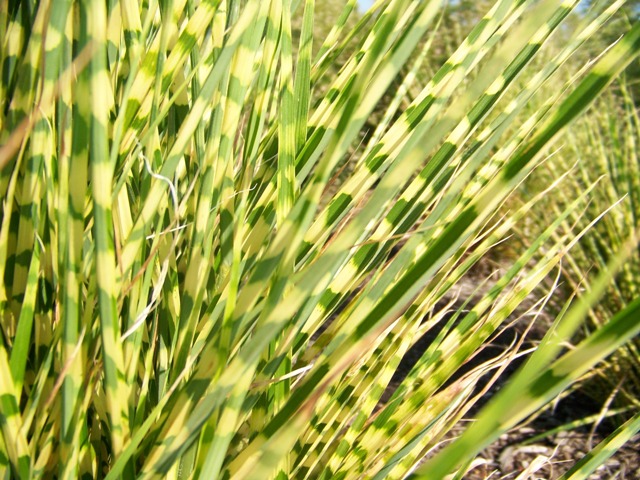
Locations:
(596, 457)
(101, 175)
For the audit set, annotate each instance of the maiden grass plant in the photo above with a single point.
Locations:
(176, 301)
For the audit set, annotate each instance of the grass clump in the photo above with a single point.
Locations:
(176, 302)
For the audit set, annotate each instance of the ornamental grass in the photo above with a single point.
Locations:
(182, 297)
